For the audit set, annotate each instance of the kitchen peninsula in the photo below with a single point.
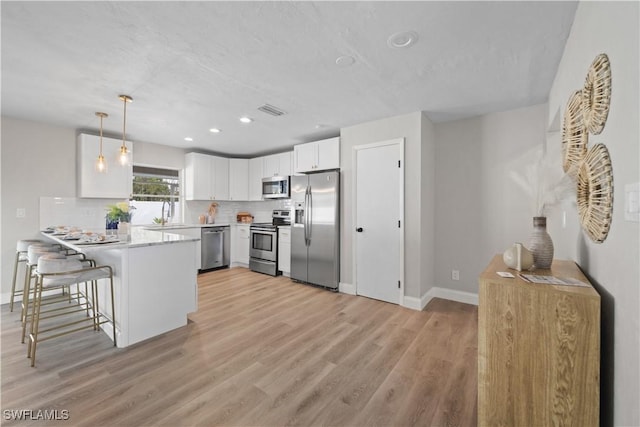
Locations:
(154, 281)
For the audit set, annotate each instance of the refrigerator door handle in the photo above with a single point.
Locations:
(306, 216)
(310, 209)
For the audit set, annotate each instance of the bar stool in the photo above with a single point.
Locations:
(54, 271)
(34, 252)
(21, 256)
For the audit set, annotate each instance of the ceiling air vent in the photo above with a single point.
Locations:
(271, 110)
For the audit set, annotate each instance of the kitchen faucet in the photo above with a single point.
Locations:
(162, 220)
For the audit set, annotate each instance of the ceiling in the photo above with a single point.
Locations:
(192, 66)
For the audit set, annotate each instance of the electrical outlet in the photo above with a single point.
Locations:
(21, 213)
(455, 274)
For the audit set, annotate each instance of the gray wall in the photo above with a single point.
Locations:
(611, 28)
(418, 243)
(479, 209)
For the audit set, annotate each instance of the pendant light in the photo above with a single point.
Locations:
(124, 152)
(101, 164)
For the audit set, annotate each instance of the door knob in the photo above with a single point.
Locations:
(359, 229)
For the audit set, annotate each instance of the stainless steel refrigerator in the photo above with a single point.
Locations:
(315, 229)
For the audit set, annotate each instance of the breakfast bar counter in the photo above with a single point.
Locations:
(155, 281)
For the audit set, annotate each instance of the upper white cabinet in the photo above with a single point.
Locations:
(238, 179)
(256, 166)
(206, 177)
(277, 164)
(317, 156)
(220, 178)
(116, 182)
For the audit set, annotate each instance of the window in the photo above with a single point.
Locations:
(156, 195)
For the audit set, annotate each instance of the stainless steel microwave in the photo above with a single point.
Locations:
(276, 187)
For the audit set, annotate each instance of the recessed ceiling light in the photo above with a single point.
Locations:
(246, 119)
(188, 138)
(345, 61)
(402, 39)
(214, 130)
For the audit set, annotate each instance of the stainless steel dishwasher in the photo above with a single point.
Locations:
(215, 247)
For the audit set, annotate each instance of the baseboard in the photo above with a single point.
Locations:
(452, 295)
(413, 303)
(436, 292)
(346, 288)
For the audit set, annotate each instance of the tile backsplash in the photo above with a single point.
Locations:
(71, 211)
(90, 213)
(227, 210)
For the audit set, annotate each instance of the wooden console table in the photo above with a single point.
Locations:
(538, 349)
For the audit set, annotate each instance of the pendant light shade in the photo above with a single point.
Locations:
(101, 164)
(124, 152)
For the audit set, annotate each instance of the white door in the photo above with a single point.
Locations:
(379, 222)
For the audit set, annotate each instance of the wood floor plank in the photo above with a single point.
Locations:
(260, 351)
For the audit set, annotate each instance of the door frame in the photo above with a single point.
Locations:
(354, 213)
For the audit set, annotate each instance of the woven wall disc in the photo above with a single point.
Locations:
(596, 94)
(574, 134)
(595, 193)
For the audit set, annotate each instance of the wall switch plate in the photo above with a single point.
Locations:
(21, 213)
(455, 274)
(632, 202)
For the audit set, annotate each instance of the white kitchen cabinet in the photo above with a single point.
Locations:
(240, 245)
(197, 176)
(220, 171)
(191, 232)
(317, 156)
(284, 250)
(116, 182)
(206, 177)
(277, 164)
(256, 166)
(238, 179)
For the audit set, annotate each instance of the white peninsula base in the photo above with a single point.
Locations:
(155, 285)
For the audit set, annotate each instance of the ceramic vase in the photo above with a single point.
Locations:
(123, 231)
(540, 244)
(518, 257)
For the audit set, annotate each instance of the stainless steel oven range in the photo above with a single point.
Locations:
(263, 251)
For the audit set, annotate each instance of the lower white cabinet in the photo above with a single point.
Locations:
(240, 245)
(284, 250)
(191, 232)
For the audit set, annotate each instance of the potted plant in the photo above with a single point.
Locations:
(119, 216)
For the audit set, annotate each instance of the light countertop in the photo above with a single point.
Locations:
(140, 237)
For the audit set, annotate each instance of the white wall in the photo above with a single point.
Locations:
(37, 160)
(427, 205)
(40, 160)
(418, 277)
(479, 209)
(611, 28)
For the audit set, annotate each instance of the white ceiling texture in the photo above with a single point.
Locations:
(192, 66)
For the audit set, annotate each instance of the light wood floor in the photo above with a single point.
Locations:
(260, 351)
